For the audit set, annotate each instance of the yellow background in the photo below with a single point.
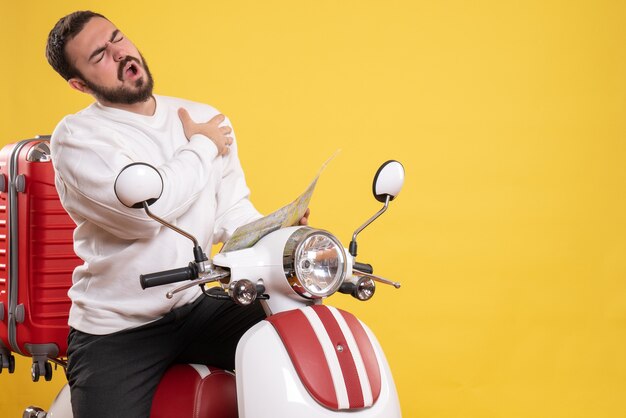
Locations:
(510, 234)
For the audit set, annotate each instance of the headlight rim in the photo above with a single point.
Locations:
(293, 244)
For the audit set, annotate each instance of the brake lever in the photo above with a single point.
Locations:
(377, 278)
(212, 277)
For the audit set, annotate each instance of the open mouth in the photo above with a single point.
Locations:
(129, 70)
(132, 69)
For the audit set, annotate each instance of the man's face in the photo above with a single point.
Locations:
(109, 65)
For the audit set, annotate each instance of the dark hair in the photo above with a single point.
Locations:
(66, 29)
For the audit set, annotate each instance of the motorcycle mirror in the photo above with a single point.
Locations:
(138, 183)
(388, 181)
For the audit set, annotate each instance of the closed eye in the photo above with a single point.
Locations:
(116, 36)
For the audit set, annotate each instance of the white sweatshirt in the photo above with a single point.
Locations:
(204, 194)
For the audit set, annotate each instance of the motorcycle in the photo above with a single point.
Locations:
(306, 359)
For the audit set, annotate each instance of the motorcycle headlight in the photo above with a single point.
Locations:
(314, 262)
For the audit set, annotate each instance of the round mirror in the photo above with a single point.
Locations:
(138, 183)
(388, 181)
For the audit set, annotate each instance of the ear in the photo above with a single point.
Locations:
(78, 84)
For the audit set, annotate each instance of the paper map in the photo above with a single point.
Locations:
(247, 235)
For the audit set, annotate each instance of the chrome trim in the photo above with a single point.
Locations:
(289, 262)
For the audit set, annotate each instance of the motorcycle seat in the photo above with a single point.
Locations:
(198, 391)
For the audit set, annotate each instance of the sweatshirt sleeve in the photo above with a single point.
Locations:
(88, 162)
(234, 208)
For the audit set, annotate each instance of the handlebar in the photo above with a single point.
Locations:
(168, 276)
(364, 267)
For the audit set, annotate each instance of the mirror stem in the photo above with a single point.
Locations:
(353, 245)
(162, 222)
(198, 253)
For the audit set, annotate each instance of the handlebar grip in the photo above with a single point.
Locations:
(347, 288)
(364, 267)
(167, 276)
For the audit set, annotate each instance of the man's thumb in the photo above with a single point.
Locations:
(184, 116)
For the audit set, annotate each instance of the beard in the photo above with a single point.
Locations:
(123, 94)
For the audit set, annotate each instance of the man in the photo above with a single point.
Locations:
(122, 338)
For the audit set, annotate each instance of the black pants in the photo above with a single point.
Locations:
(116, 375)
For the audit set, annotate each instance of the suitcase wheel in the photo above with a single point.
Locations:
(48, 375)
(35, 372)
(41, 366)
(8, 362)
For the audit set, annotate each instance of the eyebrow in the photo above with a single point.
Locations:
(101, 49)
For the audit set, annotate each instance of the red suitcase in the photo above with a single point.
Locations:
(36, 258)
